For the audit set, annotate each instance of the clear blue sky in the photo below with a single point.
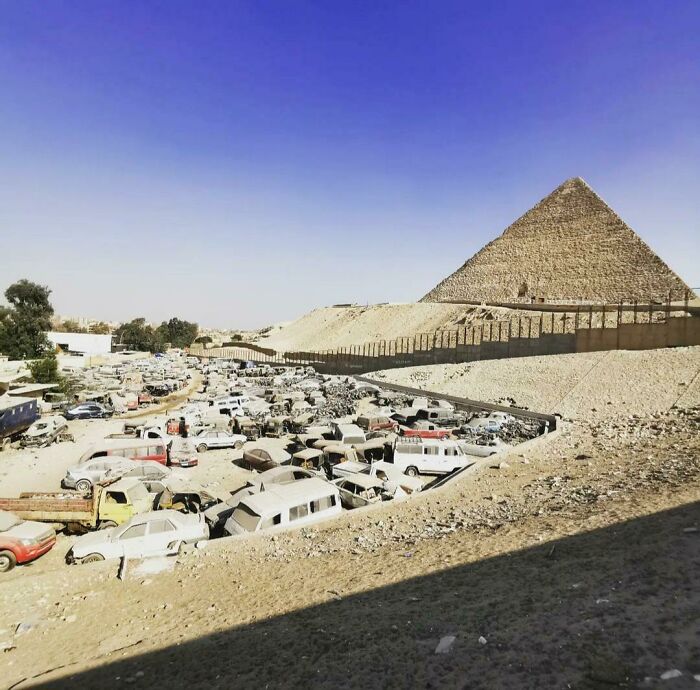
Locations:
(239, 163)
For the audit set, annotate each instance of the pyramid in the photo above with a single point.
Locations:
(570, 247)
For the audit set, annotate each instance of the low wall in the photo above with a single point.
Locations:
(675, 332)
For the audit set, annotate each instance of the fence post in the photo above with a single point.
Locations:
(603, 316)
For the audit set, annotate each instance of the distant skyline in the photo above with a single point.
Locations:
(240, 163)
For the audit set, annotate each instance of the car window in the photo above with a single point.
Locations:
(134, 532)
(116, 497)
(298, 512)
(161, 526)
(271, 522)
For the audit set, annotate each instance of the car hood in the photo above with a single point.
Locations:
(93, 538)
(31, 530)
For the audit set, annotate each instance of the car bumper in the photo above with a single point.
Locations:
(30, 553)
(68, 483)
(189, 462)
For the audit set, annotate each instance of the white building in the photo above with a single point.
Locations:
(83, 343)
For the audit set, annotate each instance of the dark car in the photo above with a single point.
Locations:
(88, 410)
(262, 459)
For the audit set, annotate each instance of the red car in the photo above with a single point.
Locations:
(426, 430)
(22, 541)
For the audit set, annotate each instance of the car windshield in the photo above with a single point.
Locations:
(8, 520)
(246, 518)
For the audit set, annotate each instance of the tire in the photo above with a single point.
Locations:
(84, 486)
(411, 471)
(201, 448)
(107, 524)
(7, 561)
(238, 445)
(92, 558)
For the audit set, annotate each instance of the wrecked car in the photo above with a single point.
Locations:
(152, 534)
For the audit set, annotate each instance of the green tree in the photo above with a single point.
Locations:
(71, 326)
(136, 334)
(24, 324)
(180, 333)
(45, 370)
(203, 339)
(100, 328)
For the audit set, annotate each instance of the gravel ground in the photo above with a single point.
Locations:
(597, 384)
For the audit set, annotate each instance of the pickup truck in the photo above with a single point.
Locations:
(108, 506)
(424, 429)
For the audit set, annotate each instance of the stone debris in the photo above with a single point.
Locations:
(445, 644)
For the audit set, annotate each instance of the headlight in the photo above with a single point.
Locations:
(29, 542)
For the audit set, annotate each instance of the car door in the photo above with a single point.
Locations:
(95, 471)
(162, 538)
(133, 541)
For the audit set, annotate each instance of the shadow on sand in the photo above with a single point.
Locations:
(594, 610)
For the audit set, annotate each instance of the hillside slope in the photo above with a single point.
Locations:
(330, 327)
(579, 385)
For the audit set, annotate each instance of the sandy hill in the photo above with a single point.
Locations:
(582, 386)
(571, 246)
(331, 327)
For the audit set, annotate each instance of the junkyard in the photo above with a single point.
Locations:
(386, 533)
(350, 346)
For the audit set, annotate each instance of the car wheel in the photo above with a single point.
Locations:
(238, 445)
(7, 561)
(411, 471)
(201, 448)
(84, 486)
(107, 524)
(93, 558)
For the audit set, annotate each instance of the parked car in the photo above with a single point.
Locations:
(428, 456)
(140, 449)
(424, 429)
(295, 504)
(159, 533)
(22, 541)
(44, 431)
(84, 476)
(183, 452)
(440, 415)
(210, 438)
(147, 471)
(349, 434)
(283, 474)
(359, 490)
(263, 458)
(376, 423)
(88, 410)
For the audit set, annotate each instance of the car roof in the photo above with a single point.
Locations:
(350, 429)
(162, 515)
(363, 480)
(281, 496)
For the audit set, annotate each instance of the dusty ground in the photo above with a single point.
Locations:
(595, 384)
(573, 566)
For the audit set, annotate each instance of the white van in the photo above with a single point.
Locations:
(297, 504)
(428, 456)
(230, 404)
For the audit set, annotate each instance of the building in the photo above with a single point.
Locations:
(81, 343)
